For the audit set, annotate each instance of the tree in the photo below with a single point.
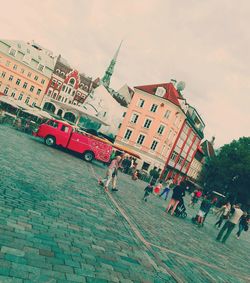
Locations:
(229, 171)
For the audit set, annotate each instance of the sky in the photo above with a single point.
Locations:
(205, 43)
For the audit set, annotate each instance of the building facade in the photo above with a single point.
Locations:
(67, 86)
(151, 124)
(196, 165)
(25, 70)
(185, 146)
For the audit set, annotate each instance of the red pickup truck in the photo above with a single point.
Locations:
(59, 133)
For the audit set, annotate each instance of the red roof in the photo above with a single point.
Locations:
(171, 93)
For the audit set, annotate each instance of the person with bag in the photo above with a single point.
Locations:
(224, 210)
(243, 224)
(178, 193)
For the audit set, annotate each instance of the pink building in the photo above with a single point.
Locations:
(152, 123)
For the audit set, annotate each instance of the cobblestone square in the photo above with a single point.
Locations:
(57, 225)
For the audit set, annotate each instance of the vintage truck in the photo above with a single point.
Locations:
(60, 133)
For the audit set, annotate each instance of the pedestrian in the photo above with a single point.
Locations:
(243, 224)
(157, 188)
(167, 189)
(135, 175)
(230, 224)
(147, 191)
(178, 193)
(224, 214)
(203, 211)
(111, 174)
(195, 197)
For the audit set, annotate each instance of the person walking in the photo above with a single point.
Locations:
(203, 211)
(157, 188)
(243, 224)
(147, 191)
(178, 193)
(230, 224)
(111, 174)
(224, 211)
(167, 189)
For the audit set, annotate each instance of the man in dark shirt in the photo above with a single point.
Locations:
(178, 193)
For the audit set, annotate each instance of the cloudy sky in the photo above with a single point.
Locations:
(204, 43)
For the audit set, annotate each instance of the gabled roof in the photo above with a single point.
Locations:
(171, 93)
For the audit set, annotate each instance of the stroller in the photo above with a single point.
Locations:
(180, 210)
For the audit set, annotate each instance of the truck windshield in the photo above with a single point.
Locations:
(52, 124)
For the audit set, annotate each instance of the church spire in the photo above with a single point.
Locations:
(110, 70)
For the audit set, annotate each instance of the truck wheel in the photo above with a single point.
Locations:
(88, 156)
(50, 141)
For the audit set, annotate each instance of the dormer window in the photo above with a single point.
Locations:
(40, 67)
(13, 52)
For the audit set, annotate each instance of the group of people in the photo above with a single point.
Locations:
(232, 214)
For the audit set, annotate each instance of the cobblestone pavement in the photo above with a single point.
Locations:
(57, 225)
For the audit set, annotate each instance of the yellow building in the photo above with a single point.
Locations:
(25, 70)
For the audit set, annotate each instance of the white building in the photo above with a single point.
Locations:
(105, 107)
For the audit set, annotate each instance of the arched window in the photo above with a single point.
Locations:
(72, 81)
(70, 116)
(49, 107)
(59, 112)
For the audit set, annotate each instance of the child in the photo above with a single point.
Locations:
(167, 189)
(158, 187)
(148, 190)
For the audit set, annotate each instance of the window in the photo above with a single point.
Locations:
(25, 85)
(27, 100)
(20, 97)
(124, 114)
(128, 134)
(22, 71)
(14, 67)
(154, 145)
(18, 81)
(134, 118)
(38, 91)
(13, 94)
(3, 74)
(145, 166)
(12, 52)
(63, 88)
(40, 67)
(119, 126)
(141, 102)
(6, 90)
(7, 64)
(53, 83)
(33, 104)
(65, 128)
(174, 155)
(11, 78)
(154, 108)
(72, 81)
(29, 74)
(161, 129)
(147, 123)
(69, 91)
(42, 81)
(167, 114)
(180, 160)
(32, 88)
(36, 78)
(140, 139)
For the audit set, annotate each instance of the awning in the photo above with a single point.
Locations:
(127, 150)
